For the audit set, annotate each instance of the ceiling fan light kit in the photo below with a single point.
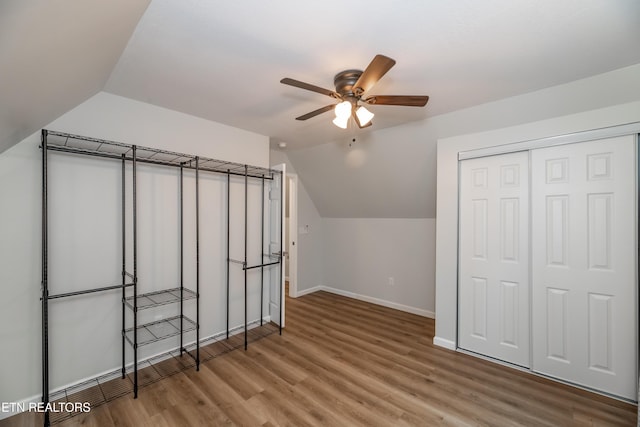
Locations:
(343, 110)
(341, 122)
(364, 115)
(350, 88)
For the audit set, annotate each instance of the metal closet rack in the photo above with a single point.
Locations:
(141, 334)
(268, 259)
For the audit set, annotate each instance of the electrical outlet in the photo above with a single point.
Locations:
(392, 281)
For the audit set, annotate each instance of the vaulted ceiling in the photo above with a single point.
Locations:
(54, 54)
(223, 60)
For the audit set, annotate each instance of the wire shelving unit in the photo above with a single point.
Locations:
(137, 334)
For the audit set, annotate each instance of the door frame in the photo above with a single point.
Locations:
(277, 224)
(292, 234)
(569, 138)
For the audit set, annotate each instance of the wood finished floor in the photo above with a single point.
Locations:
(342, 362)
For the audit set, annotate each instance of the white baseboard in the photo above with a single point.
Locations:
(372, 300)
(441, 342)
(309, 291)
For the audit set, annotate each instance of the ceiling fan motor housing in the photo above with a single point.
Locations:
(345, 80)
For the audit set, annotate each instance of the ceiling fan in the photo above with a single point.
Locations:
(350, 88)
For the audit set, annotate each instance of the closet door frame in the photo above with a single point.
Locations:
(570, 138)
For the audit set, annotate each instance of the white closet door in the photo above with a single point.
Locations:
(583, 264)
(493, 293)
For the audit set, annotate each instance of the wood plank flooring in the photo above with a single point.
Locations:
(342, 362)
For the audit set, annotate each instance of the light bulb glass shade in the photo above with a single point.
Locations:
(364, 115)
(343, 110)
(341, 122)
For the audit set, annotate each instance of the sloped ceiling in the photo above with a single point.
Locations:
(223, 60)
(54, 54)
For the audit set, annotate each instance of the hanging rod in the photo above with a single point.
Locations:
(89, 291)
(261, 265)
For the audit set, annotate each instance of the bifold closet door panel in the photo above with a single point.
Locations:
(493, 294)
(584, 300)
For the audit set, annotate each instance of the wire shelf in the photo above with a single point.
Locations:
(66, 142)
(160, 330)
(158, 298)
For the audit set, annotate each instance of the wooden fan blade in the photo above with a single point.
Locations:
(374, 72)
(307, 86)
(316, 112)
(409, 100)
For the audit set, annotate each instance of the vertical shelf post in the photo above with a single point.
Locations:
(228, 236)
(281, 266)
(45, 276)
(197, 264)
(262, 257)
(124, 261)
(181, 258)
(246, 198)
(135, 274)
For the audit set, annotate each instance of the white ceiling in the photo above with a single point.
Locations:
(223, 60)
(54, 54)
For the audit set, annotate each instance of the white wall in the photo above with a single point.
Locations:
(356, 256)
(309, 245)
(113, 117)
(85, 239)
(386, 173)
(447, 214)
(361, 255)
(391, 173)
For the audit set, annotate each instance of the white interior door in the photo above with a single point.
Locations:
(276, 200)
(493, 294)
(584, 299)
